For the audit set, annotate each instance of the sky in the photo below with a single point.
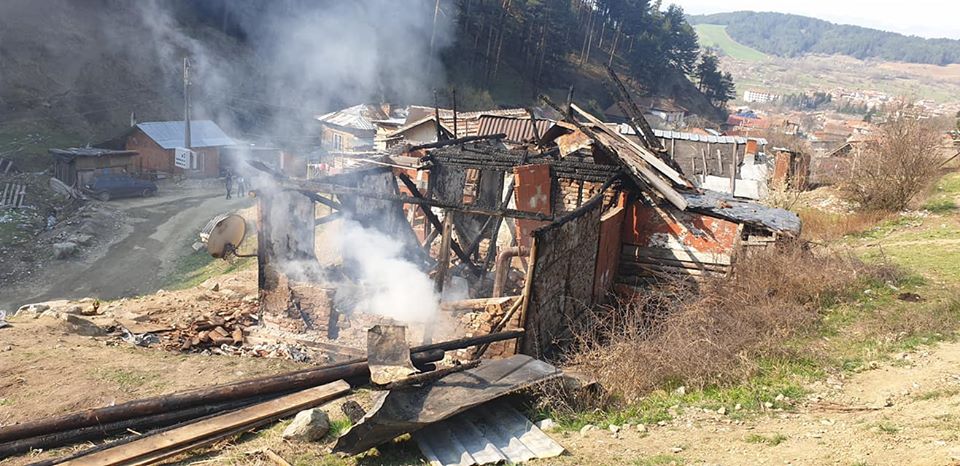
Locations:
(925, 18)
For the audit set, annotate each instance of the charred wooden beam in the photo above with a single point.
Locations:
(307, 186)
(585, 208)
(432, 218)
(453, 142)
(636, 119)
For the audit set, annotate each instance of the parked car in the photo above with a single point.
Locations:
(106, 187)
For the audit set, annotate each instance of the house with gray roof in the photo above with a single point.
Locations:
(157, 142)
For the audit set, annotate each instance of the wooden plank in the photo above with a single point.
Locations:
(3, 198)
(685, 255)
(175, 439)
(644, 153)
(643, 174)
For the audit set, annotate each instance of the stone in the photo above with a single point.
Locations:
(779, 397)
(74, 309)
(81, 239)
(676, 449)
(82, 326)
(215, 287)
(547, 425)
(31, 311)
(641, 428)
(250, 298)
(767, 404)
(587, 428)
(64, 250)
(738, 407)
(309, 425)
(614, 428)
(722, 410)
(681, 390)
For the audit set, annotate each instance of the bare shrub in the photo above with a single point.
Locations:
(713, 333)
(894, 167)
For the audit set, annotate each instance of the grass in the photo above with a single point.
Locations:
(715, 36)
(199, 267)
(772, 440)
(937, 394)
(887, 428)
(128, 380)
(659, 460)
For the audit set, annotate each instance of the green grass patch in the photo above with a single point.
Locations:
(937, 394)
(199, 267)
(338, 426)
(772, 440)
(887, 428)
(715, 36)
(129, 380)
(660, 460)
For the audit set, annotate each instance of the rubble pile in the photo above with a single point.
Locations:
(212, 330)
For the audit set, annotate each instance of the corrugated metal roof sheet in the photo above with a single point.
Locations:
(516, 129)
(357, 117)
(492, 433)
(169, 134)
(684, 136)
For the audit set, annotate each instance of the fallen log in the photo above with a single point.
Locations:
(298, 380)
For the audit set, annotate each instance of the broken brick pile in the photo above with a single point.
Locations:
(213, 330)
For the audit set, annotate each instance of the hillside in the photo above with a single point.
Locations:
(75, 75)
(786, 35)
(715, 36)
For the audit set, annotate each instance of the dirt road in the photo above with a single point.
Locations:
(141, 254)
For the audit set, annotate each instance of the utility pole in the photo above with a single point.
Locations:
(186, 103)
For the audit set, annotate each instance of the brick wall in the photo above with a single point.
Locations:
(563, 282)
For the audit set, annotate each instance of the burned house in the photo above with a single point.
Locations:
(538, 232)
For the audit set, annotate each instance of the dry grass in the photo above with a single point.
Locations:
(715, 333)
(821, 226)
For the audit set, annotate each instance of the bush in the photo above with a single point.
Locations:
(715, 332)
(896, 166)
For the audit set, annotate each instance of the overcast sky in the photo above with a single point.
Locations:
(925, 18)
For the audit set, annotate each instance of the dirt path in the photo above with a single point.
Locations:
(902, 413)
(142, 253)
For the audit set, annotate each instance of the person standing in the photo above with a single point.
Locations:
(241, 186)
(229, 182)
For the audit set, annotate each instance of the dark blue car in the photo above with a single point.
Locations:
(106, 187)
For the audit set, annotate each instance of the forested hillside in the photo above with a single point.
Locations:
(76, 72)
(792, 35)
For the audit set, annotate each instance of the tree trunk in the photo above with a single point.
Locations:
(613, 50)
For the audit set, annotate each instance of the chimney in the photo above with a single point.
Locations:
(133, 119)
(385, 108)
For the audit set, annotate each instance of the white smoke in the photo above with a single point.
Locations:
(392, 286)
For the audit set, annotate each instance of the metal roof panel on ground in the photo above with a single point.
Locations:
(739, 210)
(492, 433)
(169, 134)
(409, 409)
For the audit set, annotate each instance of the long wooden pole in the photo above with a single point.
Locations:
(233, 391)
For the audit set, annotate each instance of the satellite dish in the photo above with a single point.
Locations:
(226, 236)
